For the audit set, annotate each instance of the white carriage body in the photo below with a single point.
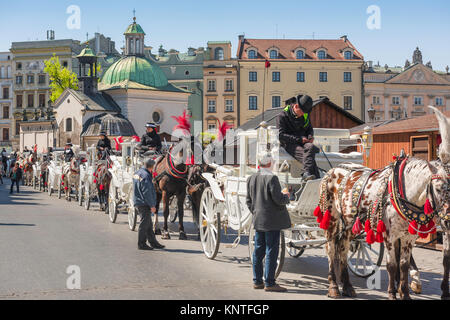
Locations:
(55, 170)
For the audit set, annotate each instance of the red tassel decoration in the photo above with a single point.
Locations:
(62, 183)
(423, 229)
(325, 223)
(102, 187)
(381, 227)
(379, 237)
(318, 214)
(431, 226)
(413, 227)
(370, 238)
(95, 180)
(63, 176)
(357, 227)
(65, 188)
(367, 226)
(428, 209)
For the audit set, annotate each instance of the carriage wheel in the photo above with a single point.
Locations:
(80, 194)
(132, 217)
(49, 187)
(59, 188)
(281, 252)
(209, 223)
(33, 182)
(87, 197)
(295, 252)
(112, 204)
(364, 259)
(173, 215)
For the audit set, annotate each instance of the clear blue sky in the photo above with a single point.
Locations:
(180, 24)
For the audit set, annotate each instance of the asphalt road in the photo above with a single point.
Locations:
(40, 237)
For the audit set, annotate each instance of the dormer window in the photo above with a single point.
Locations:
(348, 55)
(273, 54)
(321, 54)
(252, 54)
(218, 54)
(300, 54)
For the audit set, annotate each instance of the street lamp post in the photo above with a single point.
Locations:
(367, 142)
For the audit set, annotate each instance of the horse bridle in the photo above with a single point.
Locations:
(439, 210)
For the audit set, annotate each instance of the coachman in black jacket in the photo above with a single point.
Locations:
(151, 139)
(297, 134)
(103, 146)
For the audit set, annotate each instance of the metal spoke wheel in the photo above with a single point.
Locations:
(295, 251)
(49, 186)
(281, 252)
(132, 216)
(80, 194)
(59, 187)
(112, 204)
(364, 259)
(209, 223)
(87, 197)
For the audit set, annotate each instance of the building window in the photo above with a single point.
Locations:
(418, 101)
(228, 85)
(69, 125)
(30, 101)
(321, 55)
(376, 100)
(211, 85)
(41, 79)
(229, 105)
(276, 76)
(19, 80)
(439, 102)
(300, 54)
(5, 112)
(19, 66)
(276, 101)
(300, 77)
(273, 54)
(156, 117)
(218, 54)
(253, 76)
(348, 102)
(253, 103)
(30, 79)
(6, 93)
(65, 64)
(17, 127)
(396, 101)
(212, 127)
(323, 76)
(211, 106)
(5, 134)
(347, 77)
(348, 55)
(252, 54)
(42, 100)
(19, 101)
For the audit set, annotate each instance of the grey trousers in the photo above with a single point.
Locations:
(306, 154)
(146, 226)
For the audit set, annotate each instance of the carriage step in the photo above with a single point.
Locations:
(299, 243)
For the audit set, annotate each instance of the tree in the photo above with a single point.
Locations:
(60, 78)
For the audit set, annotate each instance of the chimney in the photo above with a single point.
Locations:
(97, 42)
(344, 38)
(50, 35)
(241, 38)
(370, 64)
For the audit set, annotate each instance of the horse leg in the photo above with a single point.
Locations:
(446, 262)
(405, 258)
(180, 205)
(392, 266)
(165, 201)
(157, 230)
(416, 284)
(347, 288)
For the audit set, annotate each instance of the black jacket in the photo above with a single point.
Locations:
(267, 203)
(68, 155)
(104, 143)
(151, 140)
(144, 191)
(293, 129)
(16, 176)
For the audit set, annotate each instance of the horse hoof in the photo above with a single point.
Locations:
(349, 292)
(405, 297)
(158, 232)
(334, 293)
(183, 236)
(165, 236)
(392, 296)
(416, 287)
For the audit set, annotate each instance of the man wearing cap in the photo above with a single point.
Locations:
(68, 152)
(267, 202)
(151, 140)
(297, 134)
(103, 146)
(145, 204)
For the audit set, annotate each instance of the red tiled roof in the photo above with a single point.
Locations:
(287, 48)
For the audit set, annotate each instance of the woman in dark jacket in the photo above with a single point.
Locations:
(16, 176)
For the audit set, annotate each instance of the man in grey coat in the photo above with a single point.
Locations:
(267, 202)
(145, 204)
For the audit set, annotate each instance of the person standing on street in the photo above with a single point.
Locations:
(16, 176)
(145, 204)
(267, 202)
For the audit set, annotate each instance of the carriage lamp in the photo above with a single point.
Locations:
(367, 142)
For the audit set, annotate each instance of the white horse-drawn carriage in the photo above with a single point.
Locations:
(54, 174)
(223, 203)
(87, 189)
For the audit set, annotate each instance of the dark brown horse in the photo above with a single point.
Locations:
(102, 180)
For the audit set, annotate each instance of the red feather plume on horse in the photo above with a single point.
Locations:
(183, 123)
(223, 128)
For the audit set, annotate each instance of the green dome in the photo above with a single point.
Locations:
(135, 69)
(134, 28)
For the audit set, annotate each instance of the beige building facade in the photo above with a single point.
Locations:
(6, 93)
(318, 68)
(220, 78)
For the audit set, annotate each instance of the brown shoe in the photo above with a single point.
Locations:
(258, 286)
(275, 288)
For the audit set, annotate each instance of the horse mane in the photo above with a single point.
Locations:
(444, 129)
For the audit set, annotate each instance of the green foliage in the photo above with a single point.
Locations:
(61, 78)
